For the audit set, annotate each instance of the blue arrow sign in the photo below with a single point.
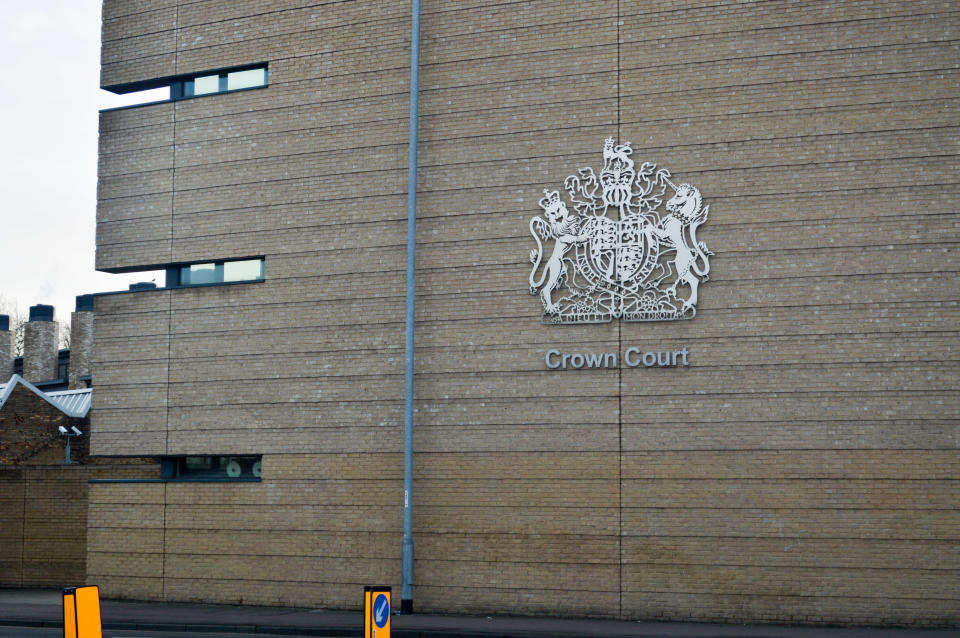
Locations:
(381, 611)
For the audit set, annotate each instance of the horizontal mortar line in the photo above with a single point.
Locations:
(281, 158)
(644, 451)
(350, 224)
(923, 44)
(774, 508)
(787, 423)
(396, 352)
(525, 317)
(896, 246)
(715, 5)
(504, 239)
(247, 555)
(774, 592)
(327, 374)
(138, 149)
(800, 110)
(863, 539)
(507, 267)
(533, 319)
(784, 452)
(208, 579)
(398, 170)
(781, 27)
(521, 290)
(616, 562)
(513, 238)
(509, 347)
(399, 323)
(779, 479)
(528, 210)
(785, 565)
(916, 335)
(821, 80)
(822, 394)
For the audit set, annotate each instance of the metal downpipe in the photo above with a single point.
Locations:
(406, 590)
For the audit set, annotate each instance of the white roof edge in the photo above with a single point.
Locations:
(79, 412)
(60, 393)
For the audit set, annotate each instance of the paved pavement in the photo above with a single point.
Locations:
(43, 608)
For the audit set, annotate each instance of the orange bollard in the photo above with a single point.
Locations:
(376, 612)
(69, 614)
(81, 612)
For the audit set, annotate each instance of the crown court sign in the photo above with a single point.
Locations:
(621, 254)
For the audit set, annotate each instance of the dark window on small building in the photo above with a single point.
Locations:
(211, 468)
(63, 364)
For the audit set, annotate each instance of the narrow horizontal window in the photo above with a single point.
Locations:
(210, 468)
(216, 272)
(222, 82)
(194, 85)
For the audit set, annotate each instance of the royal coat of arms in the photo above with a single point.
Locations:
(626, 268)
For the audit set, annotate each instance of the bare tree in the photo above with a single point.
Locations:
(18, 321)
(63, 332)
(18, 317)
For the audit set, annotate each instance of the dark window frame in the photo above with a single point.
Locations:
(177, 83)
(174, 469)
(182, 88)
(174, 273)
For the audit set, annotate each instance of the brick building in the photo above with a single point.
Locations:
(43, 499)
(802, 468)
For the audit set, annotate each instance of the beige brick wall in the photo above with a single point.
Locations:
(802, 469)
(43, 522)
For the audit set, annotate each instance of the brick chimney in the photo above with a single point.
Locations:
(81, 342)
(6, 349)
(40, 345)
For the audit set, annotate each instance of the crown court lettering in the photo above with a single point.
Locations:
(633, 357)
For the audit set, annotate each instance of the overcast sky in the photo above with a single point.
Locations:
(50, 61)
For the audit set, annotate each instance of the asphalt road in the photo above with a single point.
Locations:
(53, 632)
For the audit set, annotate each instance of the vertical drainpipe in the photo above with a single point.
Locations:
(406, 591)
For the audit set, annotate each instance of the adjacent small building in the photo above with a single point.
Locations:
(43, 482)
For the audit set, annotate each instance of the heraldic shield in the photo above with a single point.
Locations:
(628, 268)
